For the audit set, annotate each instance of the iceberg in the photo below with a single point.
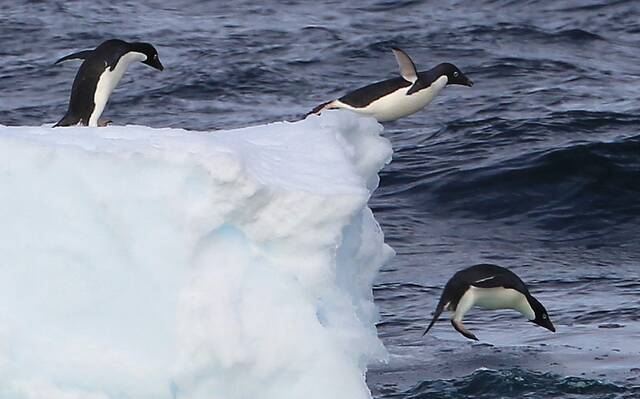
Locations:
(164, 263)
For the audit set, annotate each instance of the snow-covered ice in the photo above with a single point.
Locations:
(163, 263)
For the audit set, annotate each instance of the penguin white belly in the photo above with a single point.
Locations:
(398, 104)
(496, 298)
(108, 81)
(493, 298)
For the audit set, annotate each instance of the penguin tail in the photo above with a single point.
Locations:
(68, 120)
(319, 108)
(436, 314)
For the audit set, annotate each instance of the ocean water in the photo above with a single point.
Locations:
(536, 167)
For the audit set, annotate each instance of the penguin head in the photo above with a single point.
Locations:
(152, 54)
(454, 75)
(542, 317)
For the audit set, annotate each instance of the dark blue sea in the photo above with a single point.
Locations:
(536, 167)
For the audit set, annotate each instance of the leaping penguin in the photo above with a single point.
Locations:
(99, 74)
(394, 98)
(489, 287)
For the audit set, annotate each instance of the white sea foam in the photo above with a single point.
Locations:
(163, 263)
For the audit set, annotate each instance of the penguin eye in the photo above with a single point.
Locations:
(455, 74)
(544, 316)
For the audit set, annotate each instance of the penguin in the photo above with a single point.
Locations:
(99, 74)
(490, 287)
(395, 98)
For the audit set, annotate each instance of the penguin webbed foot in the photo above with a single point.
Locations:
(460, 328)
(102, 122)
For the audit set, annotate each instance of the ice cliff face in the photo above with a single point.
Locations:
(162, 263)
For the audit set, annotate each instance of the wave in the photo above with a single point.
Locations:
(590, 179)
(531, 32)
(514, 383)
(573, 169)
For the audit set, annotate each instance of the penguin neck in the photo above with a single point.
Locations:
(440, 83)
(108, 82)
(435, 86)
(524, 307)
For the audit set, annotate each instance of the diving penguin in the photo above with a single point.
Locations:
(398, 97)
(489, 287)
(99, 74)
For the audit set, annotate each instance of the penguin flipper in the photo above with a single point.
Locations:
(80, 55)
(68, 120)
(462, 330)
(407, 67)
(436, 314)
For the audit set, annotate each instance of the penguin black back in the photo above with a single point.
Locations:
(483, 276)
(366, 95)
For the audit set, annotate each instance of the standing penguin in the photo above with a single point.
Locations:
(99, 74)
(397, 97)
(489, 287)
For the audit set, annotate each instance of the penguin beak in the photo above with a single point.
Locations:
(467, 81)
(546, 323)
(154, 63)
(157, 65)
